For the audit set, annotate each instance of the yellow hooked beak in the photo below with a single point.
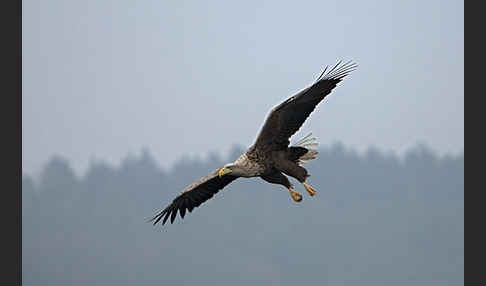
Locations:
(223, 171)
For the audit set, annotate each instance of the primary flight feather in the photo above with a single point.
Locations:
(270, 157)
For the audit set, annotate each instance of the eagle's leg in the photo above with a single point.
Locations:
(276, 177)
(294, 170)
(295, 195)
(309, 189)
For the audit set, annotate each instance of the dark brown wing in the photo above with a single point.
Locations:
(286, 118)
(194, 195)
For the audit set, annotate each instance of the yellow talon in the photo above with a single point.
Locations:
(295, 195)
(309, 189)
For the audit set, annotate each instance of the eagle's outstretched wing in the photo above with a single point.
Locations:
(194, 195)
(286, 118)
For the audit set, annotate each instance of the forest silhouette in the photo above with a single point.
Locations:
(378, 219)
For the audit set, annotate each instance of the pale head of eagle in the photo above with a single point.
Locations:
(233, 169)
(242, 167)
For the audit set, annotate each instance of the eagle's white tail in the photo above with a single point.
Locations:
(308, 143)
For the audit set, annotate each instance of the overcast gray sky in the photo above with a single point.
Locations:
(101, 79)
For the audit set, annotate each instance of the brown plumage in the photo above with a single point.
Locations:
(270, 157)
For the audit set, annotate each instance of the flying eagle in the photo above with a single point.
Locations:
(270, 157)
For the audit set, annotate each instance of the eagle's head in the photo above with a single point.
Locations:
(233, 169)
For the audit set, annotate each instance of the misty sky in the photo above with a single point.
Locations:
(102, 79)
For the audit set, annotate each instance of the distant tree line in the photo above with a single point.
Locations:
(376, 218)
